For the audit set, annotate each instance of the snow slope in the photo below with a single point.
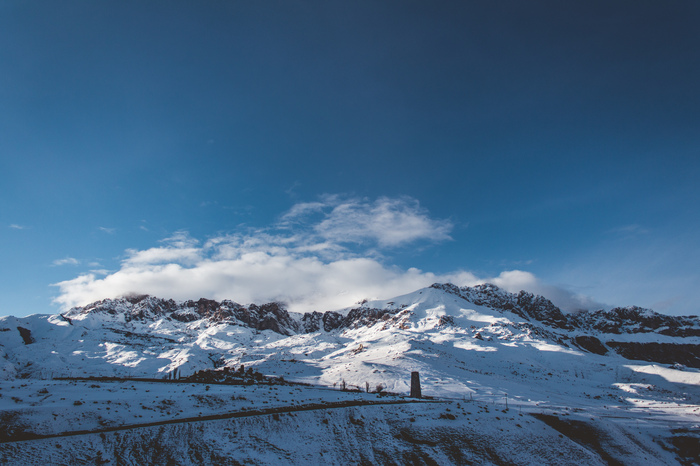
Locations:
(476, 345)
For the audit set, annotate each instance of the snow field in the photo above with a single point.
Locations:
(518, 392)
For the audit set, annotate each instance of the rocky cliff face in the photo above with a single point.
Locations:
(269, 316)
(635, 319)
(619, 320)
(523, 304)
(273, 316)
(596, 332)
(605, 325)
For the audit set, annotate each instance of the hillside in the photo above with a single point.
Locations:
(478, 346)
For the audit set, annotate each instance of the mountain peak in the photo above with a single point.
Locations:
(524, 304)
(274, 316)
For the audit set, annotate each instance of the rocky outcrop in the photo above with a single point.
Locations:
(590, 344)
(542, 319)
(523, 304)
(635, 319)
(273, 316)
(534, 308)
(665, 353)
(269, 316)
(26, 335)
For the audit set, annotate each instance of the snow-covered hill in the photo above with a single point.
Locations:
(480, 343)
(148, 336)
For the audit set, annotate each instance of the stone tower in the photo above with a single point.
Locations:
(415, 385)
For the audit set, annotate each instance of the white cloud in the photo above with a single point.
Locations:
(179, 248)
(302, 209)
(109, 231)
(388, 222)
(66, 261)
(14, 226)
(180, 239)
(303, 261)
(252, 270)
(230, 268)
(516, 280)
(162, 256)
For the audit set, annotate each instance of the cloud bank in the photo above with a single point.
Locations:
(321, 256)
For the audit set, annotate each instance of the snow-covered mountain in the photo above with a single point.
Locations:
(473, 343)
(149, 336)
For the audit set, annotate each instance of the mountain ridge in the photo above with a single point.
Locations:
(155, 336)
(273, 316)
(142, 356)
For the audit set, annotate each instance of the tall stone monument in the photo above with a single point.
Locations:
(415, 385)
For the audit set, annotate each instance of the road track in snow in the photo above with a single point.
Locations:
(28, 437)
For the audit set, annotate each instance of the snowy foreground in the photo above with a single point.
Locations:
(503, 388)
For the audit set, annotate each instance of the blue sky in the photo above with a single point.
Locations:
(320, 152)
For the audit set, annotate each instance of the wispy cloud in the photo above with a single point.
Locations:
(304, 261)
(628, 231)
(109, 231)
(179, 248)
(388, 222)
(301, 210)
(291, 190)
(66, 261)
(14, 226)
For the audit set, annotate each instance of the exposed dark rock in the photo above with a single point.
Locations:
(362, 316)
(635, 319)
(590, 344)
(135, 298)
(686, 443)
(541, 309)
(409, 436)
(311, 322)
(26, 335)
(542, 319)
(524, 304)
(583, 433)
(665, 353)
(205, 308)
(70, 321)
(332, 321)
(271, 316)
(619, 320)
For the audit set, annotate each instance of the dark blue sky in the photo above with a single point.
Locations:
(557, 138)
